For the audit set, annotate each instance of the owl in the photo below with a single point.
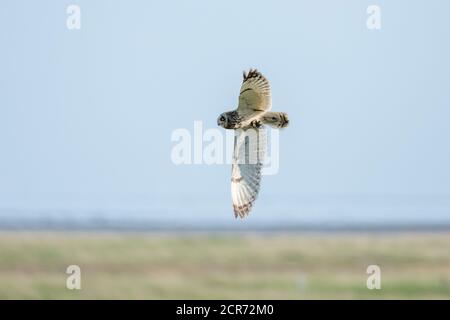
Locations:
(250, 140)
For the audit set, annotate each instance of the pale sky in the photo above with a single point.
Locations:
(90, 112)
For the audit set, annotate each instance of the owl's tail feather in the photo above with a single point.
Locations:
(276, 120)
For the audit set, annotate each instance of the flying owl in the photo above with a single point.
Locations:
(250, 142)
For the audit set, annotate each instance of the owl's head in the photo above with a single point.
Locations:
(222, 120)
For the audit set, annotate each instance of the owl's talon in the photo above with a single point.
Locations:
(256, 124)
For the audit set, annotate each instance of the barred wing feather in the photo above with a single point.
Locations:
(254, 94)
(248, 160)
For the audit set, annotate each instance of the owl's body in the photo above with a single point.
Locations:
(274, 119)
(248, 121)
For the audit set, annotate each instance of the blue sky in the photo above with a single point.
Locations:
(90, 112)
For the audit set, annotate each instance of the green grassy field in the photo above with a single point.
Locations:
(227, 266)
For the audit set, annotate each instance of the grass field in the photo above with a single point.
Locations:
(226, 266)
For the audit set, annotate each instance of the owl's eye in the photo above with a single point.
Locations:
(222, 118)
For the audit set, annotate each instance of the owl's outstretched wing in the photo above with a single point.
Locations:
(248, 159)
(254, 94)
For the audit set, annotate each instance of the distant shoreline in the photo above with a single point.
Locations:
(238, 227)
